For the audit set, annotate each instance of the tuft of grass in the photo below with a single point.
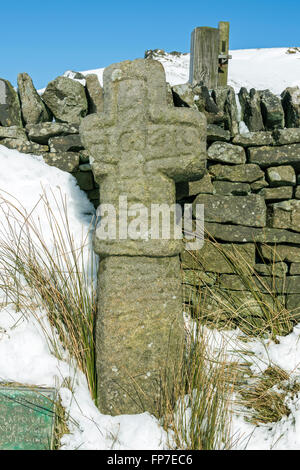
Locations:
(266, 397)
(256, 305)
(197, 414)
(57, 281)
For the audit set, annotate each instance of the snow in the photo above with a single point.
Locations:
(284, 434)
(273, 69)
(26, 356)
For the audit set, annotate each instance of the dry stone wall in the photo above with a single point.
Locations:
(48, 125)
(251, 200)
(251, 197)
(251, 188)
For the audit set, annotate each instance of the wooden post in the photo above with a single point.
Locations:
(204, 57)
(223, 52)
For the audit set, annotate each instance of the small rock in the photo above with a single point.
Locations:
(291, 105)
(260, 184)
(216, 133)
(247, 173)
(84, 156)
(226, 153)
(74, 75)
(295, 270)
(25, 147)
(66, 143)
(33, 108)
(281, 175)
(183, 96)
(240, 234)
(277, 253)
(67, 100)
(65, 161)
(285, 214)
(274, 269)
(10, 110)
(207, 105)
(273, 156)
(272, 111)
(293, 305)
(241, 210)
(227, 188)
(277, 194)
(94, 94)
(192, 188)
(251, 111)
(13, 132)
(42, 132)
(286, 136)
(85, 167)
(85, 180)
(254, 139)
(211, 259)
(226, 102)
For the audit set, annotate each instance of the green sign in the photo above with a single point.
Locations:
(26, 418)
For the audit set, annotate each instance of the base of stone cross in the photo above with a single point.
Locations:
(139, 331)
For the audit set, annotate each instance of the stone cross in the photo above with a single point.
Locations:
(139, 147)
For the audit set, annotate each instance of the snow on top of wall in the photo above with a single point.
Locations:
(272, 68)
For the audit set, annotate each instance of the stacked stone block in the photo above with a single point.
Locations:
(251, 189)
(252, 209)
(48, 125)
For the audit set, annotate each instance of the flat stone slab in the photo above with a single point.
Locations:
(242, 234)
(27, 418)
(274, 156)
(226, 153)
(254, 139)
(247, 173)
(240, 210)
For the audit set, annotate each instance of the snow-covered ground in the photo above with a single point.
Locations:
(25, 356)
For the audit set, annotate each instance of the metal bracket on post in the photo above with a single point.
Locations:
(223, 56)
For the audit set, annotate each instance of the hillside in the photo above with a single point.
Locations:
(275, 68)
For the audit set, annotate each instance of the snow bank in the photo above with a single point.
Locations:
(272, 68)
(25, 356)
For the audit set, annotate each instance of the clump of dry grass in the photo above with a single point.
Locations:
(57, 280)
(266, 396)
(199, 409)
(256, 306)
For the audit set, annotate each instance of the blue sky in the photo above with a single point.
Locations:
(45, 38)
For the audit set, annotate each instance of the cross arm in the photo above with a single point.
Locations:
(95, 131)
(181, 133)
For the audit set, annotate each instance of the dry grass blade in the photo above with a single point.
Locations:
(266, 397)
(256, 304)
(55, 278)
(199, 409)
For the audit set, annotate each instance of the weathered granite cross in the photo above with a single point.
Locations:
(140, 147)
